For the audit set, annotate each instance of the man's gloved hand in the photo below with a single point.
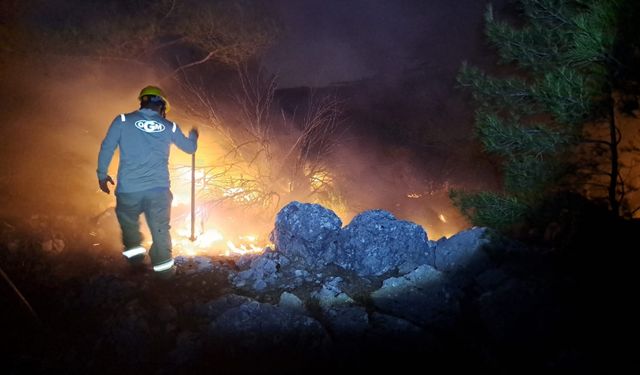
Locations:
(194, 131)
(104, 184)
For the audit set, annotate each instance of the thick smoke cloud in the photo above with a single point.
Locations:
(57, 109)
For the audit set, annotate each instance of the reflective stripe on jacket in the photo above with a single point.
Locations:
(144, 138)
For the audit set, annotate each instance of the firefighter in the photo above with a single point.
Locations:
(144, 138)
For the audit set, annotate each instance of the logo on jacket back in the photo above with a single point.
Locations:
(149, 126)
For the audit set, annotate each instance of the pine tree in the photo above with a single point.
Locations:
(561, 76)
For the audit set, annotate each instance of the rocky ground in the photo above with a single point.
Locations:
(374, 294)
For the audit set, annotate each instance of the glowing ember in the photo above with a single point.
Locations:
(320, 179)
(414, 195)
(249, 238)
(231, 192)
(442, 218)
(239, 194)
(243, 248)
(211, 241)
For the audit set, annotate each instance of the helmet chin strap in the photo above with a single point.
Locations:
(163, 110)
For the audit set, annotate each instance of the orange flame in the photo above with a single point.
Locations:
(211, 241)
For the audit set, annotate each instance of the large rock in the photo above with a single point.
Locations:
(291, 302)
(422, 297)
(262, 272)
(268, 271)
(375, 242)
(331, 295)
(306, 233)
(462, 251)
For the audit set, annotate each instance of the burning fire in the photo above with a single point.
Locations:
(239, 195)
(319, 179)
(219, 237)
(212, 242)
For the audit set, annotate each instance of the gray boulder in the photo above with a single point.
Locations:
(375, 242)
(291, 302)
(340, 313)
(331, 295)
(462, 251)
(422, 297)
(306, 233)
(262, 272)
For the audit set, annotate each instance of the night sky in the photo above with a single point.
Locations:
(332, 41)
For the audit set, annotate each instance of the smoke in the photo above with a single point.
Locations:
(410, 133)
(372, 174)
(57, 110)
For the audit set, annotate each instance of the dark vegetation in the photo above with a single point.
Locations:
(551, 117)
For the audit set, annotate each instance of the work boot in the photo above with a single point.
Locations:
(165, 270)
(166, 275)
(135, 255)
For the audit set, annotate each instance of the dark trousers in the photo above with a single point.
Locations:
(156, 206)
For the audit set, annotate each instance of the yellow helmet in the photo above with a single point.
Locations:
(155, 91)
